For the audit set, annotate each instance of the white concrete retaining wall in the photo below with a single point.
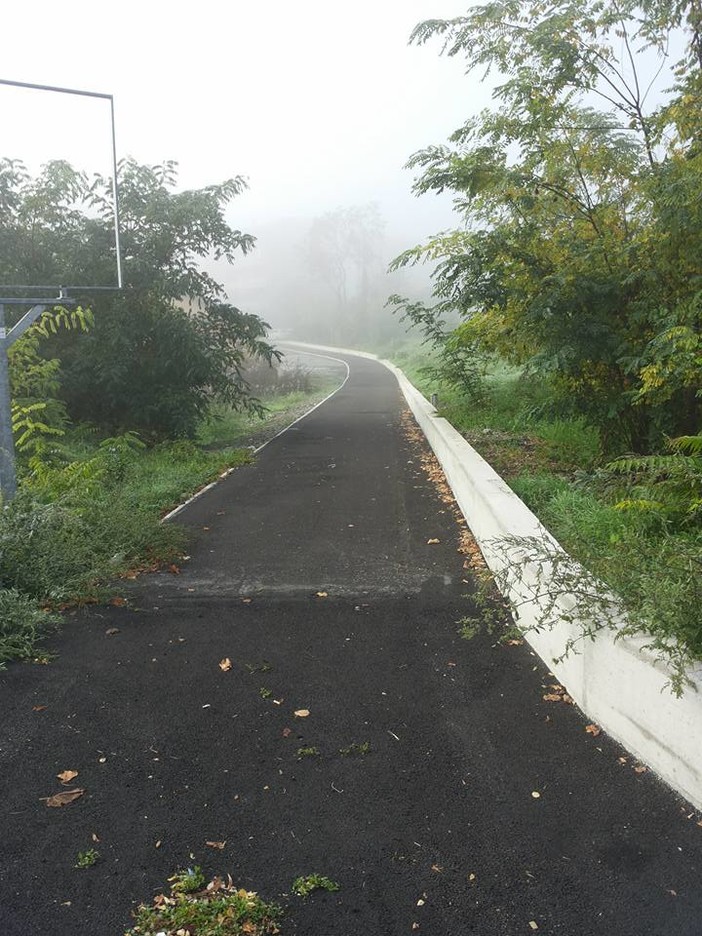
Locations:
(618, 684)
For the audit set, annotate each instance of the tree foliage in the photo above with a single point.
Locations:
(161, 349)
(579, 255)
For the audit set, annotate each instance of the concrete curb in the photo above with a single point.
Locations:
(616, 683)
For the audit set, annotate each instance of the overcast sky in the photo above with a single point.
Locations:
(318, 103)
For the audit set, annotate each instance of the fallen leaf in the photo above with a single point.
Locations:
(174, 569)
(673, 893)
(514, 643)
(437, 868)
(219, 845)
(420, 903)
(471, 877)
(700, 823)
(433, 542)
(415, 926)
(552, 697)
(322, 595)
(621, 760)
(640, 769)
(67, 775)
(63, 799)
(225, 665)
(594, 730)
(302, 712)
(95, 837)
(118, 601)
(111, 631)
(246, 600)
(533, 924)
(39, 708)
(287, 732)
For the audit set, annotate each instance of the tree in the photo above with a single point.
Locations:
(343, 251)
(145, 364)
(574, 260)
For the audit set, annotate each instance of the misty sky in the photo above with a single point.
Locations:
(319, 104)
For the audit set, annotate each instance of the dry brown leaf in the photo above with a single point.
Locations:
(640, 769)
(287, 732)
(437, 868)
(118, 601)
(514, 643)
(67, 775)
(302, 712)
(39, 708)
(63, 799)
(552, 697)
(219, 845)
(322, 595)
(594, 730)
(225, 665)
(433, 541)
(174, 569)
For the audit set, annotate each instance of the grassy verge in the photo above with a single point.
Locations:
(618, 526)
(92, 512)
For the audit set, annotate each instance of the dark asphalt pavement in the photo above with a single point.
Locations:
(312, 572)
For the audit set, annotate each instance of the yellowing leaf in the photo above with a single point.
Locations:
(433, 542)
(594, 730)
(63, 799)
(225, 665)
(67, 775)
(219, 845)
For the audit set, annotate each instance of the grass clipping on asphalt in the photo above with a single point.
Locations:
(215, 909)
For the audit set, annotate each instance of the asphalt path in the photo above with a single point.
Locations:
(430, 778)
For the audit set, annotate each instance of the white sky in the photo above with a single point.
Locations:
(319, 103)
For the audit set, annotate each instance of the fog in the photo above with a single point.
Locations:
(319, 105)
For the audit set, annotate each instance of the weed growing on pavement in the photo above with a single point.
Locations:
(215, 909)
(355, 750)
(303, 886)
(86, 859)
(265, 693)
(264, 667)
(307, 752)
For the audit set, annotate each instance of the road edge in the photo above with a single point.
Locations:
(616, 682)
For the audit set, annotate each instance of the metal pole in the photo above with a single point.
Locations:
(8, 477)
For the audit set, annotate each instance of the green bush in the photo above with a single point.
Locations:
(22, 624)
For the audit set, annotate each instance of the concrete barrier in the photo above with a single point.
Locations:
(616, 682)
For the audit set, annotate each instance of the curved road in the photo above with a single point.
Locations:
(476, 806)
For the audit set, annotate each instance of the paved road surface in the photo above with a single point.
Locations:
(436, 830)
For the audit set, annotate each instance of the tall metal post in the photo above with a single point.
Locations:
(8, 477)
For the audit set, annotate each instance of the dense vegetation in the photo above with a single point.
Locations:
(578, 266)
(111, 393)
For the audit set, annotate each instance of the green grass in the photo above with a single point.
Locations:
(228, 427)
(303, 886)
(215, 909)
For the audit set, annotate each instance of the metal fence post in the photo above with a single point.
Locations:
(8, 477)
